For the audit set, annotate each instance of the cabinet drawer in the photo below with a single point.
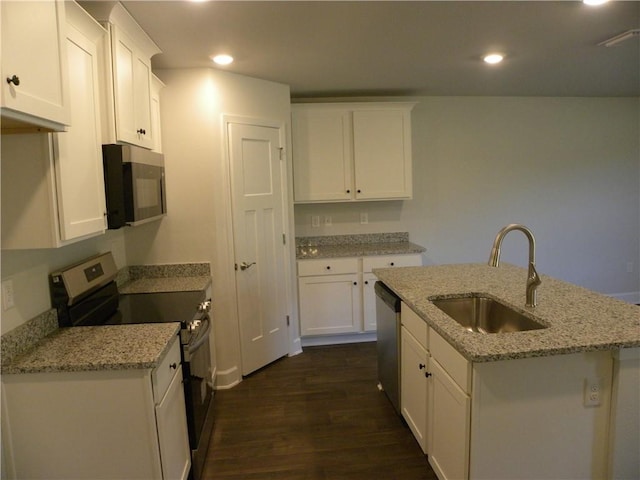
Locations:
(458, 367)
(415, 325)
(163, 373)
(387, 261)
(329, 266)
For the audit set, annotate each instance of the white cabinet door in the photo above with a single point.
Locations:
(78, 152)
(369, 280)
(173, 437)
(350, 152)
(382, 153)
(156, 128)
(449, 414)
(34, 56)
(330, 304)
(414, 386)
(369, 302)
(52, 184)
(132, 90)
(322, 168)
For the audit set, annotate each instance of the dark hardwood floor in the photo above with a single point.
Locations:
(318, 415)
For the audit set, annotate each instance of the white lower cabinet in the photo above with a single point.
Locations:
(101, 425)
(336, 295)
(527, 418)
(414, 366)
(330, 304)
(450, 409)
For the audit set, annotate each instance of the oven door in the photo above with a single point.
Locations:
(199, 393)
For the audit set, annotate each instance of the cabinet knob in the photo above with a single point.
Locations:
(358, 191)
(348, 191)
(13, 79)
(421, 366)
(355, 283)
(328, 267)
(427, 374)
(141, 131)
(366, 282)
(173, 366)
(392, 264)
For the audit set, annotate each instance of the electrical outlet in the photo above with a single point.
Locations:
(592, 392)
(327, 221)
(8, 300)
(315, 221)
(364, 218)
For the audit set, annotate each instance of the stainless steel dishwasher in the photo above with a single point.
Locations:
(388, 344)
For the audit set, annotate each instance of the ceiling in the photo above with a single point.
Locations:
(370, 48)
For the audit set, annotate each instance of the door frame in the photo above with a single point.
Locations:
(284, 132)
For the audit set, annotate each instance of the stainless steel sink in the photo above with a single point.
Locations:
(485, 315)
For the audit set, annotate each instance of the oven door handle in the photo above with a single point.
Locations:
(192, 347)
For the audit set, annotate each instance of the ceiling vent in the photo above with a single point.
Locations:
(620, 38)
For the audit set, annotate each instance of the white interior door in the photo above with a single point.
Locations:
(258, 228)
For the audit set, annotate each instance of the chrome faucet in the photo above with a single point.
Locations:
(533, 279)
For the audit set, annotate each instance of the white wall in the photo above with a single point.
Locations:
(196, 228)
(569, 168)
(30, 269)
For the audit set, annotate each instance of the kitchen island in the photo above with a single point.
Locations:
(557, 402)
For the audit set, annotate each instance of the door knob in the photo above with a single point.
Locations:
(245, 265)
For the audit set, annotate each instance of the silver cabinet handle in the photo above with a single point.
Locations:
(245, 265)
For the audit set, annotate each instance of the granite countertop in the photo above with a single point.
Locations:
(356, 250)
(110, 347)
(357, 245)
(578, 319)
(166, 284)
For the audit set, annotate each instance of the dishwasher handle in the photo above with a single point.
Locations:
(387, 296)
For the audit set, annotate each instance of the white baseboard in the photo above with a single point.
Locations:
(295, 348)
(226, 379)
(338, 339)
(629, 297)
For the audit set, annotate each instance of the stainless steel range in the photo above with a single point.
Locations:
(86, 294)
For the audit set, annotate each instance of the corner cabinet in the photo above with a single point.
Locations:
(104, 424)
(35, 90)
(351, 151)
(52, 184)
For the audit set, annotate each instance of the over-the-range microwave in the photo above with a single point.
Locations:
(134, 185)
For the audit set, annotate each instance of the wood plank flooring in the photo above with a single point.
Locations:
(316, 416)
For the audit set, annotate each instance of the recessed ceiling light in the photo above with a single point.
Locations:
(493, 58)
(594, 3)
(223, 59)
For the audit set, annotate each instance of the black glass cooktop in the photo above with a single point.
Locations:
(157, 307)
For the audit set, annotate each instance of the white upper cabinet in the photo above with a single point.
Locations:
(35, 92)
(129, 120)
(52, 184)
(156, 129)
(351, 151)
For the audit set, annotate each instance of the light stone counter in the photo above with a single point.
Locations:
(358, 245)
(109, 347)
(578, 319)
(166, 284)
